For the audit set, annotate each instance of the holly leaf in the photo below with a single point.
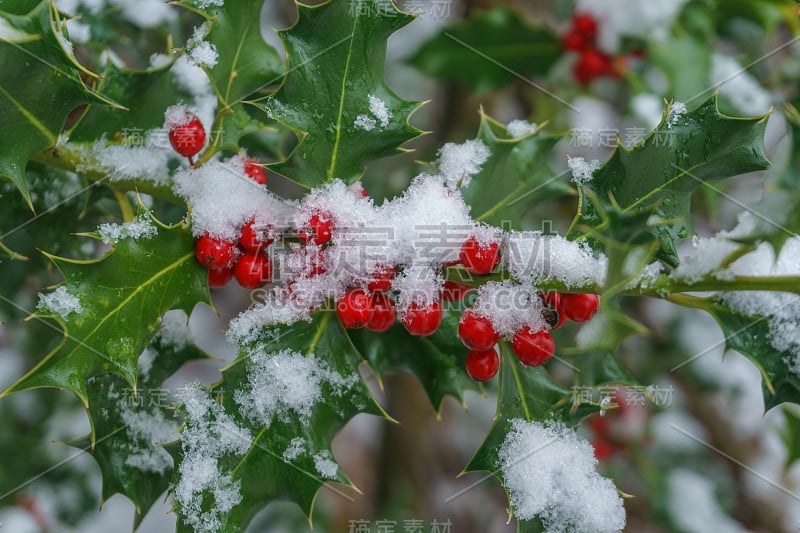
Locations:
(514, 177)
(684, 151)
(751, 336)
(39, 86)
(438, 361)
(120, 298)
(334, 96)
(147, 92)
(526, 393)
(128, 424)
(245, 63)
(489, 50)
(282, 460)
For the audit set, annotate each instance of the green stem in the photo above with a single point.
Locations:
(65, 158)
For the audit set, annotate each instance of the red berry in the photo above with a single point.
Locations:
(479, 258)
(603, 449)
(579, 307)
(318, 229)
(423, 321)
(572, 40)
(585, 24)
(252, 270)
(355, 309)
(553, 314)
(477, 332)
(533, 348)
(591, 64)
(188, 138)
(255, 237)
(455, 292)
(215, 253)
(382, 279)
(255, 171)
(384, 315)
(483, 365)
(219, 277)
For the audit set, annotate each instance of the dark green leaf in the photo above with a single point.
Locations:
(513, 178)
(122, 295)
(661, 173)
(39, 86)
(335, 60)
(489, 50)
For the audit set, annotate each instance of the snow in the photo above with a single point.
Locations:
(533, 257)
(676, 112)
(671, 440)
(582, 170)
(520, 128)
(61, 302)
(174, 332)
(146, 13)
(201, 52)
(510, 307)
(223, 198)
(122, 162)
(203, 4)
(325, 465)
(176, 116)
(616, 19)
(693, 506)
(706, 257)
(379, 110)
(151, 429)
(79, 32)
(417, 284)
(142, 227)
(146, 362)
(738, 86)
(285, 382)
(209, 434)
(296, 448)
(363, 122)
(458, 163)
(550, 472)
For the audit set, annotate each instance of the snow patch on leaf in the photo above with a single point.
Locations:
(533, 257)
(552, 473)
(61, 302)
(141, 227)
(458, 163)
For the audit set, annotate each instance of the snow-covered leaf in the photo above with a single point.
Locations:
(109, 307)
(334, 96)
(284, 399)
(685, 150)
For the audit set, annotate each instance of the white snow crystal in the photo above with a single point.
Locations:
(676, 112)
(706, 257)
(581, 169)
(223, 198)
(325, 465)
(458, 163)
(208, 435)
(379, 110)
(418, 284)
(296, 448)
(520, 128)
(363, 122)
(121, 162)
(550, 472)
(142, 227)
(533, 256)
(286, 382)
(60, 302)
(201, 52)
(510, 307)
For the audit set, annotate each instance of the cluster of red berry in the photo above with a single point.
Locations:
(592, 63)
(532, 347)
(246, 260)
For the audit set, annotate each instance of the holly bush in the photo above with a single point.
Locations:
(597, 175)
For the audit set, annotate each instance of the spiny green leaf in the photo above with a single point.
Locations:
(122, 295)
(335, 59)
(513, 178)
(751, 336)
(124, 421)
(683, 152)
(262, 472)
(489, 50)
(437, 361)
(39, 86)
(145, 93)
(246, 63)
